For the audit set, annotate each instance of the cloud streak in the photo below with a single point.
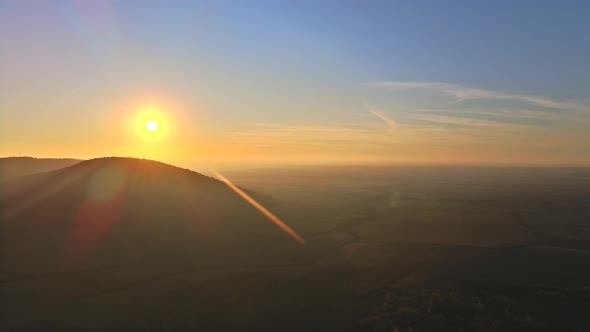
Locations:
(461, 93)
(273, 133)
(390, 122)
(474, 123)
(510, 114)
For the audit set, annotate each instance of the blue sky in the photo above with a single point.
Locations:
(320, 79)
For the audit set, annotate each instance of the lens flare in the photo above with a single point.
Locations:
(259, 207)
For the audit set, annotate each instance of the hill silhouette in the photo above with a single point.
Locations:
(18, 166)
(111, 211)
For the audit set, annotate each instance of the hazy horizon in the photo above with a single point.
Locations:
(205, 166)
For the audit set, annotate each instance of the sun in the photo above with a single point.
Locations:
(151, 125)
(152, 122)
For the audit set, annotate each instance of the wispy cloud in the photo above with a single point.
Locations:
(275, 133)
(390, 122)
(507, 113)
(473, 123)
(426, 130)
(464, 93)
(359, 135)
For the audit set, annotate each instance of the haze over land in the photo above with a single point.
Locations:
(118, 243)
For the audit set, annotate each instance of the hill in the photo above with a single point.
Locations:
(18, 166)
(115, 211)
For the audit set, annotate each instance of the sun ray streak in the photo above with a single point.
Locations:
(259, 207)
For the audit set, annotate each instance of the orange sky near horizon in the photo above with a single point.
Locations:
(184, 138)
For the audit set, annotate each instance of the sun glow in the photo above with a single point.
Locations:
(154, 127)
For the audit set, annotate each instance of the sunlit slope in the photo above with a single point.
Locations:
(18, 166)
(117, 211)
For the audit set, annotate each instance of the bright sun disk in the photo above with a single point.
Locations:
(151, 125)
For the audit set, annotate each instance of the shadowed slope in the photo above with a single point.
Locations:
(116, 211)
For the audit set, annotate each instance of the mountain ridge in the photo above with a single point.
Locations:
(12, 167)
(112, 210)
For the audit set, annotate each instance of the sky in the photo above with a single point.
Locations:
(245, 82)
